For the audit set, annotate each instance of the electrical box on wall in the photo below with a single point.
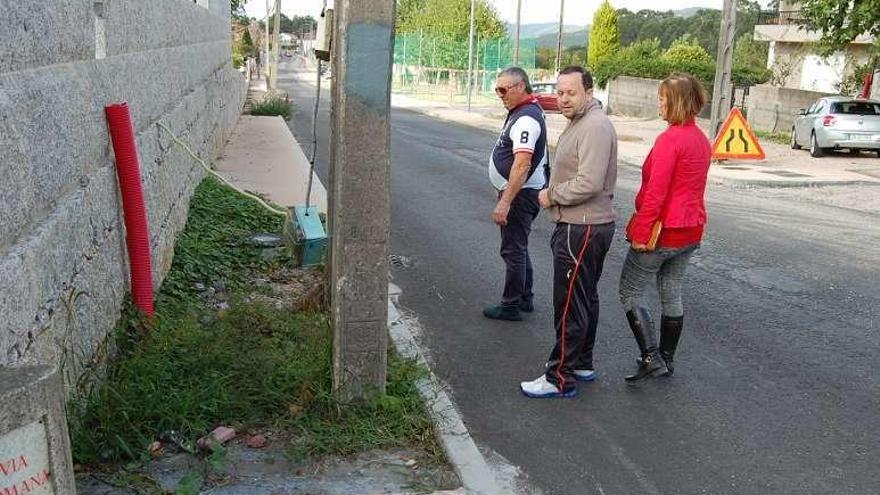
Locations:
(324, 35)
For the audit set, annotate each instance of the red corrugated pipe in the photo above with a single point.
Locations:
(137, 231)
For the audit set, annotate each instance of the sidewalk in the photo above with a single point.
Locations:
(262, 156)
(783, 166)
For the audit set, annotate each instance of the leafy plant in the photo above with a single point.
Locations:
(272, 105)
(685, 50)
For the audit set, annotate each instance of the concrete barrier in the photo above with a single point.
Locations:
(770, 108)
(633, 96)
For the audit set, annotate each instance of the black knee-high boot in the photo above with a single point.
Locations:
(643, 330)
(670, 332)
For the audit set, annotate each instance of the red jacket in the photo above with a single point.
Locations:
(673, 182)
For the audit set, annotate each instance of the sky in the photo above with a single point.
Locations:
(533, 11)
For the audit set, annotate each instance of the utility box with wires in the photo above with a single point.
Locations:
(324, 35)
(305, 234)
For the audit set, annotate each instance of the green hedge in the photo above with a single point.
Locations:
(659, 68)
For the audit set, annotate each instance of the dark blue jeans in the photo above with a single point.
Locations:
(515, 248)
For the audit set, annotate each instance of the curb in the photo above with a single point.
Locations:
(472, 468)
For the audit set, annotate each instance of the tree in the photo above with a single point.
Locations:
(298, 24)
(247, 43)
(545, 57)
(840, 21)
(449, 19)
(642, 49)
(750, 53)
(604, 36)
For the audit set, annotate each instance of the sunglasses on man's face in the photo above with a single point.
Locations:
(502, 90)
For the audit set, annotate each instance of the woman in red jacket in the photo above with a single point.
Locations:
(668, 224)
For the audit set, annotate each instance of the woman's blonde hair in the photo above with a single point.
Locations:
(685, 97)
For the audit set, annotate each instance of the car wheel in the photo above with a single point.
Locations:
(815, 150)
(794, 143)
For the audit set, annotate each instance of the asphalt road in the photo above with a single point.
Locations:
(777, 389)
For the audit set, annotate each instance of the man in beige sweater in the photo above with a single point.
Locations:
(579, 201)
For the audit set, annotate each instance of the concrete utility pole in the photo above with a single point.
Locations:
(360, 180)
(722, 91)
(276, 44)
(559, 39)
(267, 65)
(516, 42)
(470, 56)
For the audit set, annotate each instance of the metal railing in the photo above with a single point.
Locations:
(780, 17)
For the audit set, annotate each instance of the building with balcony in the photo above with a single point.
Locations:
(792, 58)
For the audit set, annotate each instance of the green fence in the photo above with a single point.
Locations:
(438, 66)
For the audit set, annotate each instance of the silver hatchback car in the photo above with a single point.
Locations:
(838, 122)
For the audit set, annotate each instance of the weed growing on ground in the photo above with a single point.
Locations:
(779, 137)
(272, 105)
(253, 365)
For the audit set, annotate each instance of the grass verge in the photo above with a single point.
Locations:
(779, 137)
(252, 365)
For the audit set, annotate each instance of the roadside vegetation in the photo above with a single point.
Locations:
(779, 137)
(273, 104)
(225, 349)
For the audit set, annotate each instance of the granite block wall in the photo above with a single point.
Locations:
(63, 264)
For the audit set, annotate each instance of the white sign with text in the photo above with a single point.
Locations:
(24, 461)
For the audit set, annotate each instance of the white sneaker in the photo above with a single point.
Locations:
(540, 388)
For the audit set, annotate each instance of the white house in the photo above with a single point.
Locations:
(792, 58)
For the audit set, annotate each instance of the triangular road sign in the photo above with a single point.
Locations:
(736, 139)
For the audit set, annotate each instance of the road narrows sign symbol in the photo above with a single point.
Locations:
(736, 139)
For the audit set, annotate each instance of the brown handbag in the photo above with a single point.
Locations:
(655, 232)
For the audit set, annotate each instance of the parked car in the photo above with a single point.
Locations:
(546, 93)
(838, 122)
(547, 97)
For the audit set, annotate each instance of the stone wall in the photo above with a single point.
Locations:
(770, 108)
(633, 96)
(63, 264)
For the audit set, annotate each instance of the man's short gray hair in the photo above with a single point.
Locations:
(517, 73)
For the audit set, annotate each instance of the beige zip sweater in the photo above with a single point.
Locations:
(584, 171)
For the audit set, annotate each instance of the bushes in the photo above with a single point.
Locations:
(273, 104)
(645, 61)
(685, 50)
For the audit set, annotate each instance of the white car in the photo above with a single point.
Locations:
(838, 122)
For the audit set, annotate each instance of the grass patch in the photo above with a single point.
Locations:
(779, 137)
(252, 365)
(272, 105)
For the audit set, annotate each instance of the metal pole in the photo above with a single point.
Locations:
(470, 75)
(722, 91)
(559, 39)
(516, 42)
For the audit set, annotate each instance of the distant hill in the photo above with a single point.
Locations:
(539, 29)
(573, 38)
